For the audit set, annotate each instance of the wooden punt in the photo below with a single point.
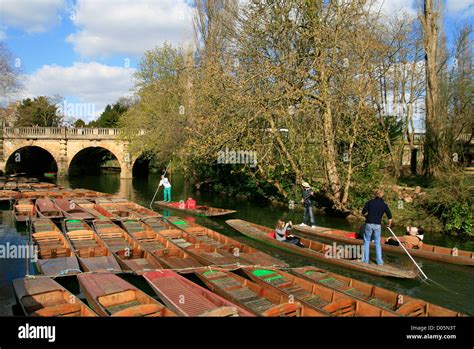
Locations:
(91, 251)
(109, 295)
(114, 211)
(42, 296)
(189, 299)
(72, 210)
(129, 254)
(110, 200)
(319, 251)
(93, 209)
(9, 194)
(324, 299)
(43, 185)
(55, 254)
(128, 210)
(239, 250)
(23, 185)
(259, 300)
(396, 302)
(24, 209)
(168, 254)
(47, 209)
(11, 185)
(431, 252)
(200, 210)
(204, 253)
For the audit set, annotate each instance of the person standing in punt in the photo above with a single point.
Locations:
(307, 194)
(166, 188)
(373, 212)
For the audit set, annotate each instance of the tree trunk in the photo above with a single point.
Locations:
(429, 21)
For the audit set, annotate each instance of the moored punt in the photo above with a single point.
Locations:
(24, 209)
(92, 208)
(324, 299)
(204, 253)
(55, 255)
(189, 299)
(399, 303)
(11, 185)
(169, 255)
(257, 299)
(47, 209)
(431, 252)
(109, 295)
(9, 194)
(91, 251)
(42, 296)
(200, 210)
(72, 210)
(114, 211)
(130, 255)
(318, 251)
(239, 250)
(128, 210)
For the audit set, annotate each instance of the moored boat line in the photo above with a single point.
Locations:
(129, 253)
(55, 254)
(189, 299)
(168, 254)
(128, 238)
(321, 298)
(399, 303)
(90, 249)
(261, 301)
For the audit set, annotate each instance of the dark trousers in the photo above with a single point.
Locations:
(308, 210)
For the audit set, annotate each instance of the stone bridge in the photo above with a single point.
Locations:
(64, 144)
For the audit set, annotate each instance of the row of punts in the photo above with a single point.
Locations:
(156, 249)
(306, 291)
(98, 237)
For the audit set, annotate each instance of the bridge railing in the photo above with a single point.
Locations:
(61, 132)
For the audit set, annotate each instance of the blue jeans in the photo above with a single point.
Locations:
(376, 231)
(308, 210)
(167, 194)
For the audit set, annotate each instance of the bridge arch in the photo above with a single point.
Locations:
(31, 159)
(89, 159)
(141, 165)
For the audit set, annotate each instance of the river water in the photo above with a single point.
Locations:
(453, 286)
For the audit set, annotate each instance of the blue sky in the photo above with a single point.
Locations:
(87, 51)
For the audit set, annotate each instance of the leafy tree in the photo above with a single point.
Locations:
(79, 123)
(40, 111)
(110, 116)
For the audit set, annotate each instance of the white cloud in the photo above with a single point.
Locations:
(463, 7)
(31, 16)
(129, 27)
(391, 7)
(89, 83)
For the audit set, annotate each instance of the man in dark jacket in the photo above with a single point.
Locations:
(374, 211)
(307, 193)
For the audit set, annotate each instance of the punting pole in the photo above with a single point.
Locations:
(409, 255)
(158, 188)
(28, 224)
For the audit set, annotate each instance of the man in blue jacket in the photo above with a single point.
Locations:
(374, 211)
